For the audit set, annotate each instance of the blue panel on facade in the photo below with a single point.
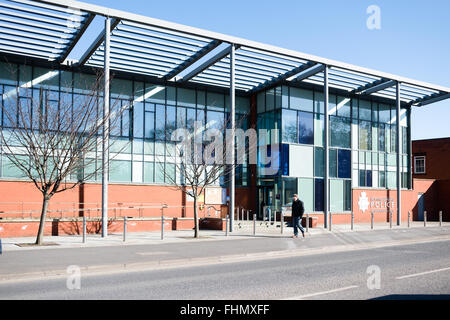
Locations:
(344, 164)
(285, 159)
(318, 197)
(305, 128)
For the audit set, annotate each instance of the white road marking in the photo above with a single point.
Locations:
(321, 293)
(422, 273)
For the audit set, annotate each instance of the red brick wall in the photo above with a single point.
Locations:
(437, 153)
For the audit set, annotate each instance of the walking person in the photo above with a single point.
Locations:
(298, 209)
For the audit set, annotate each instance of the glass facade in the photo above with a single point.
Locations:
(362, 140)
(141, 150)
(362, 146)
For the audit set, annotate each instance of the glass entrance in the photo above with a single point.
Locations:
(266, 198)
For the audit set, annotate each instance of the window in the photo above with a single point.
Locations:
(419, 165)
(289, 126)
(318, 199)
(305, 128)
(340, 132)
(301, 99)
(365, 178)
(344, 164)
(365, 136)
(289, 189)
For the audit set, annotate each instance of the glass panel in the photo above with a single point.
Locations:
(306, 193)
(149, 125)
(285, 97)
(261, 102)
(301, 161)
(170, 121)
(333, 163)
(155, 94)
(10, 170)
(289, 126)
(319, 128)
(138, 120)
(215, 101)
(120, 171)
(171, 96)
(365, 110)
(332, 105)
(289, 189)
(347, 195)
(318, 195)
(337, 196)
(160, 122)
(340, 132)
(384, 113)
(344, 165)
(285, 159)
(8, 73)
(159, 172)
(382, 138)
(319, 167)
(301, 99)
(270, 99)
(121, 88)
(382, 175)
(318, 102)
(186, 97)
(365, 135)
(305, 128)
(343, 107)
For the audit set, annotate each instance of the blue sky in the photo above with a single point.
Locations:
(413, 41)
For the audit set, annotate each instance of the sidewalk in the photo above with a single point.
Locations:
(154, 238)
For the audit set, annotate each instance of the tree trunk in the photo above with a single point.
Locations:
(40, 235)
(196, 233)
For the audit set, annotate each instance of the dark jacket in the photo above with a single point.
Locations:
(298, 208)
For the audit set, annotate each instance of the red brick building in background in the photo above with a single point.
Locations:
(431, 176)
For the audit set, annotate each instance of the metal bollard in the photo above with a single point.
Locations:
(440, 218)
(390, 219)
(1, 250)
(424, 218)
(307, 222)
(248, 215)
(330, 221)
(371, 220)
(84, 229)
(254, 224)
(282, 222)
(226, 223)
(409, 218)
(124, 229)
(162, 227)
(353, 217)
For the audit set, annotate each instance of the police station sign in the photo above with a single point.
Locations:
(375, 204)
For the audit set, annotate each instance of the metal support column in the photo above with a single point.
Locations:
(232, 142)
(399, 158)
(326, 154)
(105, 153)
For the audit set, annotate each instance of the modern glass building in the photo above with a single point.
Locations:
(335, 129)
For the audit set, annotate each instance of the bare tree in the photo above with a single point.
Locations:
(53, 140)
(202, 158)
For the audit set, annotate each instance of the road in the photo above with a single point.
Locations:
(408, 271)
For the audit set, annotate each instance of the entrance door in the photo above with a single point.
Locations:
(266, 198)
(421, 206)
